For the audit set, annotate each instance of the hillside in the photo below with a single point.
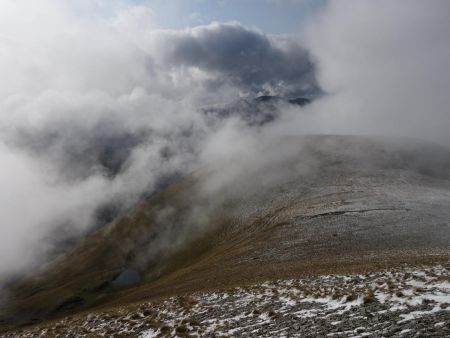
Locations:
(401, 302)
(310, 205)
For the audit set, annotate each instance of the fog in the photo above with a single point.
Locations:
(99, 107)
(385, 66)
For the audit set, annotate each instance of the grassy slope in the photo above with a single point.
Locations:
(296, 226)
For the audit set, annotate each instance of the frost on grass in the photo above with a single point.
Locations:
(400, 302)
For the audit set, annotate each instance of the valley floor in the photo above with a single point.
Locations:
(410, 301)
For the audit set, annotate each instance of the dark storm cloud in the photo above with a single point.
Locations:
(245, 57)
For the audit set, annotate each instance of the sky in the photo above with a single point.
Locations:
(271, 16)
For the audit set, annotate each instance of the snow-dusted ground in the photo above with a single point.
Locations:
(402, 302)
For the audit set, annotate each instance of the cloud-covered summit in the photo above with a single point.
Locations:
(110, 103)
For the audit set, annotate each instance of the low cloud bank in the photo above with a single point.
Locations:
(97, 107)
(385, 66)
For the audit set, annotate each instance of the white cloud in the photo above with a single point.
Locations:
(97, 106)
(386, 67)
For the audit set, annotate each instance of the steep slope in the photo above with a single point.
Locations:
(300, 206)
(400, 302)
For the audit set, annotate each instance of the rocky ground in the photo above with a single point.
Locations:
(402, 302)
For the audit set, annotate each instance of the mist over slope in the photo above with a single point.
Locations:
(309, 204)
(101, 108)
(90, 125)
